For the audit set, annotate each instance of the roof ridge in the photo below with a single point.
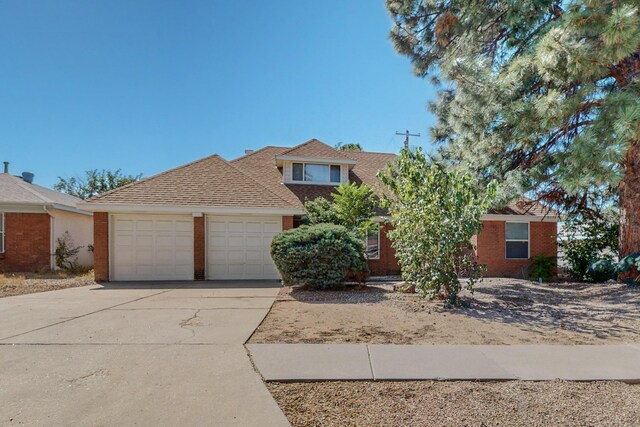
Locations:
(99, 196)
(244, 156)
(24, 185)
(342, 153)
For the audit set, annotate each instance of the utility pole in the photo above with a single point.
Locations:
(406, 137)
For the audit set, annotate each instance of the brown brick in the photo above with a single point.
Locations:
(101, 246)
(287, 223)
(491, 248)
(27, 242)
(387, 264)
(199, 249)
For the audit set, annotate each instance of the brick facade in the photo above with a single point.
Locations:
(27, 243)
(199, 248)
(387, 264)
(101, 246)
(287, 223)
(491, 248)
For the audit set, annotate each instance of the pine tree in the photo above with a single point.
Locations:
(542, 95)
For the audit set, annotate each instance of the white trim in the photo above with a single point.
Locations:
(70, 209)
(520, 218)
(314, 160)
(304, 166)
(23, 208)
(528, 240)
(173, 209)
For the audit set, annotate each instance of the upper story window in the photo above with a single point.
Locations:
(313, 172)
(517, 237)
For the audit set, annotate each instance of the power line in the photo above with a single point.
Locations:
(406, 137)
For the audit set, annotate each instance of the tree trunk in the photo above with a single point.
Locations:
(630, 205)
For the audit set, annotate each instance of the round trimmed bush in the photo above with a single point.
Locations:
(319, 256)
(601, 270)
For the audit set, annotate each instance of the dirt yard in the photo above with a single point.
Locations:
(427, 403)
(501, 311)
(28, 283)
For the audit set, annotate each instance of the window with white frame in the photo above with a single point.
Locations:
(517, 237)
(372, 242)
(313, 172)
(1, 232)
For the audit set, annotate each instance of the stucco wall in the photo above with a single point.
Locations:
(80, 227)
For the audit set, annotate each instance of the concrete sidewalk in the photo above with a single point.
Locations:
(376, 362)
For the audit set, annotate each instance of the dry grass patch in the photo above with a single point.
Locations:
(501, 311)
(427, 403)
(12, 284)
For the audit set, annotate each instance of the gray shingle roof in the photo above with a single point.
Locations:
(14, 190)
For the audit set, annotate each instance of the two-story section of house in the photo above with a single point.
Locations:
(214, 219)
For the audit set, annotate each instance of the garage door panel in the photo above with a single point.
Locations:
(238, 248)
(152, 247)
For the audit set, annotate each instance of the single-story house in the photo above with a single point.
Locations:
(32, 218)
(214, 219)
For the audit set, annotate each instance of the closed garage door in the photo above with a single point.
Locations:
(238, 247)
(152, 247)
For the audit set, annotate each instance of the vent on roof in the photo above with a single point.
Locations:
(27, 177)
(6, 167)
(248, 151)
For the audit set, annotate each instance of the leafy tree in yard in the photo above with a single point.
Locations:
(349, 146)
(543, 95)
(94, 182)
(435, 214)
(353, 207)
(586, 239)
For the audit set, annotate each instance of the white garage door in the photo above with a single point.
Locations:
(152, 247)
(238, 247)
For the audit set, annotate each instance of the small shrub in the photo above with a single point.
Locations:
(542, 267)
(630, 263)
(319, 256)
(66, 253)
(601, 270)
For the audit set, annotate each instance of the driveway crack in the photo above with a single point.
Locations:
(191, 323)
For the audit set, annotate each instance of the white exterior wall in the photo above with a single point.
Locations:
(79, 226)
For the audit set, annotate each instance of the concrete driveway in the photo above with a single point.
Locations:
(135, 354)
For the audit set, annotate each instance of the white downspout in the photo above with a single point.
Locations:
(52, 250)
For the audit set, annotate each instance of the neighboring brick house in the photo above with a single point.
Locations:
(32, 218)
(214, 219)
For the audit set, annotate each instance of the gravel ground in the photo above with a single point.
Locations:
(501, 311)
(28, 283)
(514, 403)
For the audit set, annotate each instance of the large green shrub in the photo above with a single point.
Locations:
(586, 239)
(319, 256)
(435, 214)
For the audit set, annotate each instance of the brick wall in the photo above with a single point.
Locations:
(101, 246)
(27, 242)
(287, 223)
(387, 264)
(199, 259)
(491, 247)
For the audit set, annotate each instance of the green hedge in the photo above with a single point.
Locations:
(319, 256)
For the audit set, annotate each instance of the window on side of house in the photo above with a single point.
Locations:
(517, 240)
(1, 232)
(373, 243)
(313, 172)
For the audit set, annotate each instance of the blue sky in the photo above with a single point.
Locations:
(149, 85)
